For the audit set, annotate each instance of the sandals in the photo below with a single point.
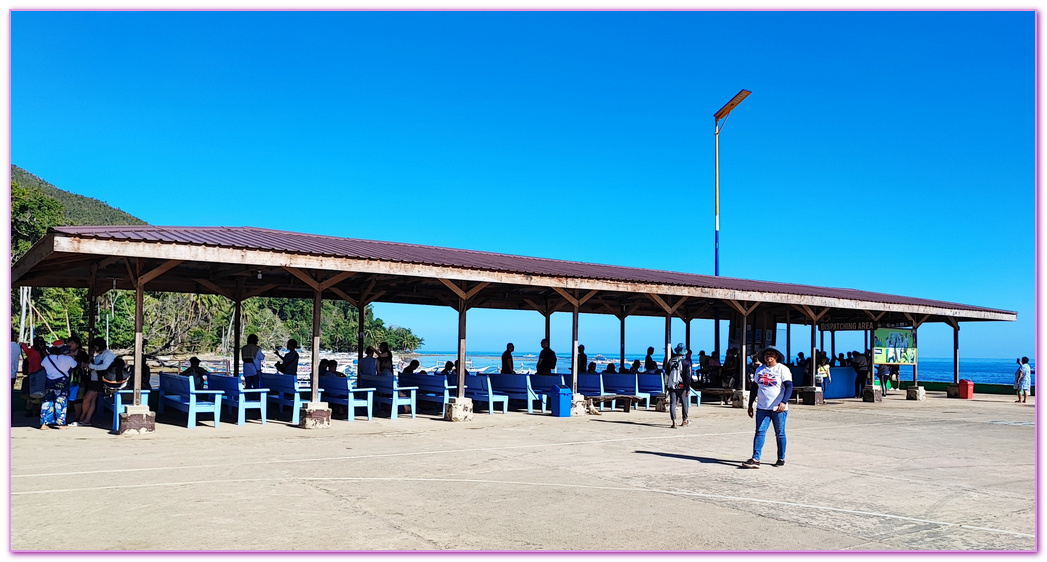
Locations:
(751, 463)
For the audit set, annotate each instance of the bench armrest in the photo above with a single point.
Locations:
(407, 388)
(207, 392)
(255, 390)
(363, 389)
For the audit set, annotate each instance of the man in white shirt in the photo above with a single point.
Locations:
(57, 365)
(771, 389)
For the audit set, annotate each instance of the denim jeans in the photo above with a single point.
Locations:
(763, 419)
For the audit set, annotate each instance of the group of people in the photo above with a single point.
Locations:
(72, 378)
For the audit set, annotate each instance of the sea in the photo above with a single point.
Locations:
(932, 369)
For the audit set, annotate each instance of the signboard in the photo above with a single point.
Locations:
(894, 346)
(844, 326)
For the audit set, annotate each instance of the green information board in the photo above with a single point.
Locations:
(894, 346)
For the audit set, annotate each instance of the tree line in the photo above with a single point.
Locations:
(174, 323)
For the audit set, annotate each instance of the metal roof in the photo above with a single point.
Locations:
(349, 254)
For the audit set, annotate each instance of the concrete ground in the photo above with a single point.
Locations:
(943, 474)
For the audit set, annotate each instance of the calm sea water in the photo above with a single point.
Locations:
(979, 370)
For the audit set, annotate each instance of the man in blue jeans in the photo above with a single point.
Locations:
(771, 388)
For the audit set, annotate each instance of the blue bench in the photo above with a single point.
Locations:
(591, 384)
(340, 390)
(236, 396)
(517, 387)
(285, 390)
(387, 391)
(180, 393)
(625, 384)
(478, 387)
(654, 384)
(118, 404)
(431, 388)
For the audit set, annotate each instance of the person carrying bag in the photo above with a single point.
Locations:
(57, 366)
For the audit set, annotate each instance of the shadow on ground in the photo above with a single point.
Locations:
(703, 460)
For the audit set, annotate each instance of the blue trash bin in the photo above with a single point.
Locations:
(561, 402)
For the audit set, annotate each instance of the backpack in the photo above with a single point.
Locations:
(115, 377)
(674, 377)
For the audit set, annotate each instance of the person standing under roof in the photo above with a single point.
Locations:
(546, 360)
(58, 366)
(288, 364)
(649, 364)
(677, 383)
(770, 391)
(369, 364)
(385, 360)
(507, 359)
(861, 367)
(583, 360)
(252, 356)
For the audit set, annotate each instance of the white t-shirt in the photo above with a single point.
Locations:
(16, 354)
(58, 366)
(770, 381)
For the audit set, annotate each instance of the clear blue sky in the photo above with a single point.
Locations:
(883, 151)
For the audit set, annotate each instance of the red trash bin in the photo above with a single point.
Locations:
(966, 389)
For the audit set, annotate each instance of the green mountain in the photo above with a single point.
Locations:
(79, 210)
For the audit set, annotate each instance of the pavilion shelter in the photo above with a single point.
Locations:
(245, 262)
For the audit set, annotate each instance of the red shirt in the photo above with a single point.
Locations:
(34, 357)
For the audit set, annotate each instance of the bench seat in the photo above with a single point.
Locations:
(340, 390)
(180, 393)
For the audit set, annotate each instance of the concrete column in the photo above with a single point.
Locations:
(237, 312)
(137, 418)
(955, 353)
(743, 352)
(814, 355)
(668, 337)
(574, 350)
(315, 414)
(915, 343)
(788, 337)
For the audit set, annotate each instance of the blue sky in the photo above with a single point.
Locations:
(883, 151)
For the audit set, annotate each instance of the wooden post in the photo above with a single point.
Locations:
(139, 321)
(814, 354)
(92, 308)
(574, 348)
(716, 334)
(742, 352)
(915, 378)
(317, 301)
(668, 337)
(955, 353)
(361, 311)
(832, 340)
(461, 347)
(548, 316)
(687, 333)
(237, 312)
(788, 337)
(621, 339)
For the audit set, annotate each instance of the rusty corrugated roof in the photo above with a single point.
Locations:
(252, 238)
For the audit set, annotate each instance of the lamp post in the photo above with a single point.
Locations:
(723, 113)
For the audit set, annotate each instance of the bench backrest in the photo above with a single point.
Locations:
(543, 384)
(176, 384)
(431, 384)
(281, 384)
(590, 384)
(477, 384)
(651, 383)
(231, 386)
(335, 386)
(620, 383)
(383, 384)
(510, 383)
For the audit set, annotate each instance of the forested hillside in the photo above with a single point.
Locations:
(174, 323)
(78, 210)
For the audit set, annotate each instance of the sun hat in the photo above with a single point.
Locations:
(680, 349)
(763, 353)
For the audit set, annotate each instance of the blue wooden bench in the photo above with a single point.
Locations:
(654, 384)
(118, 404)
(340, 390)
(625, 384)
(180, 393)
(591, 384)
(517, 387)
(236, 396)
(478, 387)
(387, 391)
(431, 388)
(286, 390)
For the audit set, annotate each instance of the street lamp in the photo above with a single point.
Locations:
(724, 112)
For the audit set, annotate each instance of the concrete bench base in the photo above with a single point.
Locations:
(137, 420)
(811, 395)
(952, 391)
(459, 410)
(315, 415)
(871, 394)
(740, 399)
(915, 393)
